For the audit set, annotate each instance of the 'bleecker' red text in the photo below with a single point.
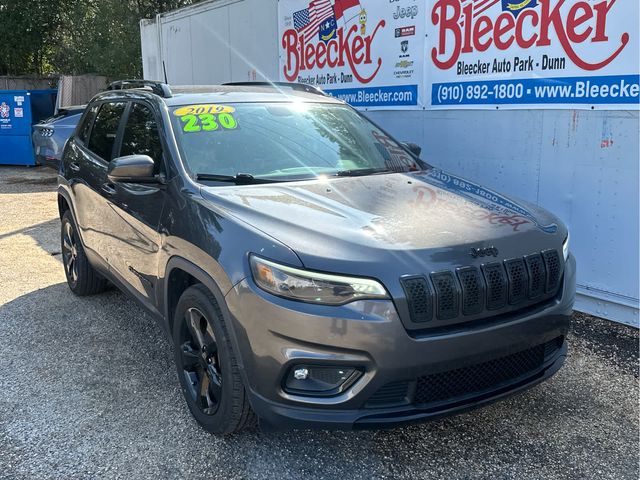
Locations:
(584, 21)
(347, 49)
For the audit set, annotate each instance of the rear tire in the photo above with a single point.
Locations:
(207, 365)
(82, 278)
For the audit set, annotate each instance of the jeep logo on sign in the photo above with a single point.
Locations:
(484, 252)
(406, 12)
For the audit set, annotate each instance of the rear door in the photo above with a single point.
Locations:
(87, 167)
(137, 207)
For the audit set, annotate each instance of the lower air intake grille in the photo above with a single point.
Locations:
(391, 393)
(479, 378)
(469, 382)
(550, 348)
(419, 298)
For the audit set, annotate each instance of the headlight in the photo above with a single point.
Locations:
(565, 248)
(313, 287)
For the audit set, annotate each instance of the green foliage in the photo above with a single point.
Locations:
(75, 36)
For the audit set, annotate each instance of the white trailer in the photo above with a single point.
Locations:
(582, 164)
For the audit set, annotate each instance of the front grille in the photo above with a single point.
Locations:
(446, 295)
(472, 290)
(496, 285)
(518, 280)
(517, 283)
(552, 263)
(537, 275)
(468, 382)
(419, 298)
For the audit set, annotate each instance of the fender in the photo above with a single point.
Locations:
(94, 258)
(206, 279)
(193, 270)
(62, 192)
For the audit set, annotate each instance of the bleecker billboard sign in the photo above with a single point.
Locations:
(446, 54)
(370, 53)
(533, 53)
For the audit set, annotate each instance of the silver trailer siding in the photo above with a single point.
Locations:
(212, 42)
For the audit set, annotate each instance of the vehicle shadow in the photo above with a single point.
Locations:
(45, 234)
(20, 180)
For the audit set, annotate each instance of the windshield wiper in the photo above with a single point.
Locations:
(238, 179)
(361, 172)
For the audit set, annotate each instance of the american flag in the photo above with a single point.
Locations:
(307, 22)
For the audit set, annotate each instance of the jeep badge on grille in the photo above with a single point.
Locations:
(484, 252)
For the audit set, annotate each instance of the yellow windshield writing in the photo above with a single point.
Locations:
(203, 109)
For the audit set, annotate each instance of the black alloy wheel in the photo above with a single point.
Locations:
(82, 278)
(200, 362)
(207, 364)
(70, 252)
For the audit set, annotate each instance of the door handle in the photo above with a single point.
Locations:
(109, 189)
(74, 166)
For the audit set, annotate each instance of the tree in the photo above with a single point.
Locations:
(30, 28)
(76, 36)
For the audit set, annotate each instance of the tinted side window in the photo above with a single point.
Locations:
(141, 136)
(85, 128)
(105, 128)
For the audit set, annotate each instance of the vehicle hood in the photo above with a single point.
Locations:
(428, 218)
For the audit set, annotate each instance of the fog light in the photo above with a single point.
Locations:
(320, 381)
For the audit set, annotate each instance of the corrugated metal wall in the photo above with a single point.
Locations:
(582, 165)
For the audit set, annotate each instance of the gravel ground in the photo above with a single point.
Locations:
(88, 390)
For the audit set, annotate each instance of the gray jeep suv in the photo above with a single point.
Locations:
(311, 270)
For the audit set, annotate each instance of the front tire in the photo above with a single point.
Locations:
(207, 365)
(82, 278)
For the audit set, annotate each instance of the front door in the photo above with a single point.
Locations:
(137, 207)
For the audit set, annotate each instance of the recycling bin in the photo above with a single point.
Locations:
(19, 110)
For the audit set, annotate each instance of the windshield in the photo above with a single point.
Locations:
(287, 141)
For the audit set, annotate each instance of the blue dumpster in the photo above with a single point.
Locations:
(19, 110)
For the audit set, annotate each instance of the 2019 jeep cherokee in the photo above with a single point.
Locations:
(309, 268)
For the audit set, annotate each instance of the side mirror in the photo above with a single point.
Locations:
(132, 169)
(413, 148)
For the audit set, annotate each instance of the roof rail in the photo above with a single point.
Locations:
(159, 88)
(301, 87)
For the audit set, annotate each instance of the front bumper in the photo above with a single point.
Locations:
(273, 334)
